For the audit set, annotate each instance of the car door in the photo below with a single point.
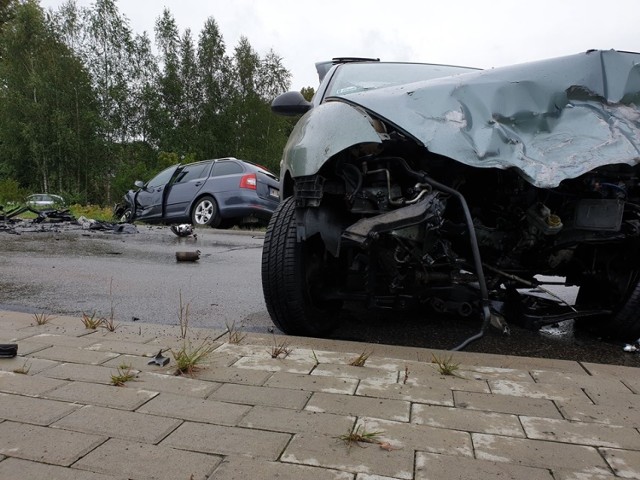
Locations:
(184, 188)
(149, 199)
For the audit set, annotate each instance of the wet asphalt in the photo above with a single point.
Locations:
(63, 269)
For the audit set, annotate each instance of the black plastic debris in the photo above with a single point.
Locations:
(159, 360)
(8, 350)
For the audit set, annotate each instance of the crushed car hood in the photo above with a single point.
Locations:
(552, 119)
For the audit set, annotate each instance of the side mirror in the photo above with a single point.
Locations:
(139, 183)
(290, 104)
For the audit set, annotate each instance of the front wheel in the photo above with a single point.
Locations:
(295, 274)
(205, 212)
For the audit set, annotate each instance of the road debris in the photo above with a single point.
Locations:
(187, 256)
(159, 360)
(8, 350)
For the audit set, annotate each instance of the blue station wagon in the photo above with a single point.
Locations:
(217, 193)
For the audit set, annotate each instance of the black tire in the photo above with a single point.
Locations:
(293, 278)
(617, 288)
(205, 212)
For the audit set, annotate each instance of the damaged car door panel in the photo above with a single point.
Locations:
(459, 191)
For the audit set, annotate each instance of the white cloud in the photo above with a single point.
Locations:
(462, 32)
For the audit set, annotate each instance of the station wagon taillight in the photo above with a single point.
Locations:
(249, 181)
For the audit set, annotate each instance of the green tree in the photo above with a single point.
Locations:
(48, 117)
(215, 85)
(258, 134)
(169, 86)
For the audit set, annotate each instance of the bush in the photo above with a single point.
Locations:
(94, 212)
(10, 191)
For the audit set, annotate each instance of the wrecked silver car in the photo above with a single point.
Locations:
(454, 189)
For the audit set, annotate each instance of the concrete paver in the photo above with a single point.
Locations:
(190, 387)
(26, 470)
(223, 440)
(38, 411)
(142, 461)
(467, 420)
(354, 405)
(81, 372)
(430, 466)
(25, 384)
(313, 383)
(243, 468)
(596, 434)
(44, 444)
(537, 453)
(624, 463)
(195, 409)
(22, 363)
(434, 395)
(125, 398)
(606, 414)
(246, 415)
(328, 452)
(286, 420)
(118, 424)
(74, 355)
(268, 396)
(537, 407)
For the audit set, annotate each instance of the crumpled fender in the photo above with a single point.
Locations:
(322, 132)
(551, 120)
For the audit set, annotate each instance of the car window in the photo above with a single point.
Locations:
(226, 168)
(356, 77)
(193, 172)
(162, 178)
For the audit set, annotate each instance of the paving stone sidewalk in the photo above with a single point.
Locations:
(246, 415)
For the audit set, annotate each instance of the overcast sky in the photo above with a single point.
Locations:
(473, 33)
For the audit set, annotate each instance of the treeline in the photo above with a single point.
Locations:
(87, 106)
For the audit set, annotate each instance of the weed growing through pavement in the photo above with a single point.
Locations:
(235, 336)
(124, 374)
(406, 375)
(280, 348)
(42, 318)
(91, 322)
(361, 359)
(189, 359)
(183, 316)
(446, 365)
(360, 435)
(24, 369)
(109, 324)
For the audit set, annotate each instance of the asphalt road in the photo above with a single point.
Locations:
(136, 276)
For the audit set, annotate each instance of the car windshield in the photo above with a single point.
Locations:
(356, 77)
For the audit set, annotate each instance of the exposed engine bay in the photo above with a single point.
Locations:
(393, 221)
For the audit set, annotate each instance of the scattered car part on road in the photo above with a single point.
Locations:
(183, 230)
(188, 256)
